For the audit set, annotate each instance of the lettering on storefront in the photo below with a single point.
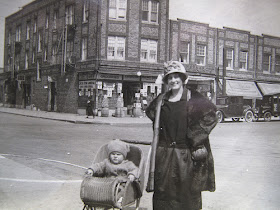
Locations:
(131, 78)
(86, 76)
(109, 76)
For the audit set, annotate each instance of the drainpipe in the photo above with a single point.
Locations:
(224, 71)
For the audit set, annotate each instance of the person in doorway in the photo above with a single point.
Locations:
(182, 120)
(89, 110)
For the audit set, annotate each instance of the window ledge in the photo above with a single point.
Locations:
(230, 69)
(243, 69)
(266, 72)
(277, 73)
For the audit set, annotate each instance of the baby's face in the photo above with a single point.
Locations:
(116, 157)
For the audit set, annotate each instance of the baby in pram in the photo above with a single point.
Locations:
(116, 165)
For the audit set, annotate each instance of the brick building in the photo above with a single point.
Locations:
(60, 53)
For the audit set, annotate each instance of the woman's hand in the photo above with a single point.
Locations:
(131, 177)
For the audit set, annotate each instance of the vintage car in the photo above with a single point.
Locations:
(233, 107)
(268, 107)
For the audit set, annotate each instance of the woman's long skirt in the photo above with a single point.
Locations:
(173, 177)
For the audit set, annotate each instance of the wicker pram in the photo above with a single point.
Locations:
(102, 191)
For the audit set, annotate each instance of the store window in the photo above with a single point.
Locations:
(148, 50)
(116, 48)
(150, 10)
(243, 61)
(184, 52)
(117, 9)
(200, 54)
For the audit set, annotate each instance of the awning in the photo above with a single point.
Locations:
(269, 89)
(246, 89)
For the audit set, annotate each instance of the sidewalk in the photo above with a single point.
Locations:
(76, 118)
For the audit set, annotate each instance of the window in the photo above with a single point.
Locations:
(33, 56)
(54, 53)
(55, 18)
(46, 53)
(69, 15)
(69, 49)
(229, 59)
(85, 11)
(266, 62)
(35, 26)
(17, 57)
(28, 31)
(277, 64)
(200, 55)
(9, 37)
(38, 71)
(116, 48)
(18, 33)
(47, 21)
(40, 40)
(150, 11)
(117, 9)
(84, 48)
(148, 50)
(26, 60)
(243, 60)
(184, 52)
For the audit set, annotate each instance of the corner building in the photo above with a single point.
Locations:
(59, 54)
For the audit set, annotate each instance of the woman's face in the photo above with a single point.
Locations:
(174, 81)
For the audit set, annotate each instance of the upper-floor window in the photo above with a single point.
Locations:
(46, 53)
(35, 25)
(26, 59)
(84, 48)
(28, 30)
(229, 58)
(243, 61)
(277, 64)
(69, 15)
(116, 48)
(55, 19)
(18, 33)
(17, 60)
(47, 21)
(85, 11)
(38, 75)
(150, 11)
(148, 50)
(40, 41)
(184, 52)
(267, 62)
(200, 57)
(33, 56)
(9, 37)
(117, 9)
(70, 49)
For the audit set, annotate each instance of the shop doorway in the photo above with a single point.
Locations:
(129, 89)
(27, 93)
(53, 93)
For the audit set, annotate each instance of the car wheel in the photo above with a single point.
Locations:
(235, 119)
(249, 116)
(220, 116)
(267, 116)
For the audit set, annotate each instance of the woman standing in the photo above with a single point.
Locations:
(183, 164)
(89, 110)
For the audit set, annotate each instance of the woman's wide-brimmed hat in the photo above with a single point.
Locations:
(174, 67)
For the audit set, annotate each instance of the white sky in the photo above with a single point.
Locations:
(257, 16)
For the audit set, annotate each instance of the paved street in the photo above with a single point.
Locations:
(42, 162)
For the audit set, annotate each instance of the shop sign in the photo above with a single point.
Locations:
(109, 76)
(86, 75)
(131, 78)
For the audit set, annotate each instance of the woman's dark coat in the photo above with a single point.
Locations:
(201, 120)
